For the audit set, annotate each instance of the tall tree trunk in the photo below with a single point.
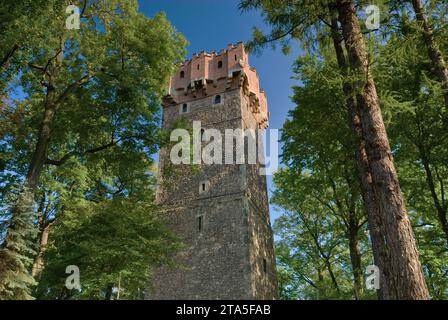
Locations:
(44, 231)
(41, 150)
(406, 267)
(376, 228)
(38, 264)
(381, 255)
(434, 53)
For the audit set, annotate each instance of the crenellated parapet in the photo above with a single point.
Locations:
(208, 74)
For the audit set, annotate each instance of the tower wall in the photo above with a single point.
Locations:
(228, 245)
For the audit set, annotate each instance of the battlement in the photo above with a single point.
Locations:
(207, 74)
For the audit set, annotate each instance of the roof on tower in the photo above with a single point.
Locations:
(216, 72)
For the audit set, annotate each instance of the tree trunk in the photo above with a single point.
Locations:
(41, 149)
(108, 293)
(5, 61)
(38, 264)
(406, 267)
(330, 271)
(440, 205)
(355, 259)
(434, 53)
(376, 228)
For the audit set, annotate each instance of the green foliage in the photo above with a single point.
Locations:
(108, 83)
(417, 121)
(318, 144)
(114, 243)
(15, 261)
(318, 190)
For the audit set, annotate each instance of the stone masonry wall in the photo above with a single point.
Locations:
(228, 251)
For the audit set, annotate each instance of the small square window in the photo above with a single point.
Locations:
(204, 186)
(217, 99)
(184, 108)
(219, 64)
(182, 74)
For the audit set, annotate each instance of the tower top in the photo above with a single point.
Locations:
(212, 73)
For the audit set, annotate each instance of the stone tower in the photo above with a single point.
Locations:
(220, 212)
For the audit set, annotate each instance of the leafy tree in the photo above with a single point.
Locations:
(115, 243)
(413, 101)
(89, 111)
(435, 54)
(320, 183)
(305, 20)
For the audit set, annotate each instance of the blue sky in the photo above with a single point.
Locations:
(210, 25)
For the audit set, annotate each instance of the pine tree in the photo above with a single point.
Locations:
(299, 20)
(16, 281)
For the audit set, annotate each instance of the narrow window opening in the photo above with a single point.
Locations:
(198, 67)
(184, 108)
(182, 74)
(265, 267)
(202, 134)
(236, 58)
(219, 64)
(204, 186)
(200, 223)
(218, 99)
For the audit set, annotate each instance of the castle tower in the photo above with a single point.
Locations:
(219, 211)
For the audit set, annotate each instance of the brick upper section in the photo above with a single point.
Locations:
(209, 74)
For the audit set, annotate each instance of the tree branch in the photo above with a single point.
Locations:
(67, 156)
(61, 161)
(442, 189)
(103, 147)
(8, 56)
(83, 9)
(328, 24)
(40, 68)
(72, 87)
(288, 32)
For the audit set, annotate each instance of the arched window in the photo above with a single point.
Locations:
(219, 64)
(182, 74)
(217, 99)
